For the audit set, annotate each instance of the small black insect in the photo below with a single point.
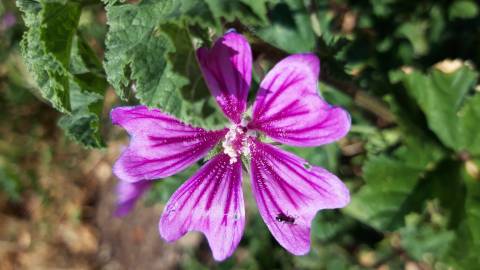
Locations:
(285, 218)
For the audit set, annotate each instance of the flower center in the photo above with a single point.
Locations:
(237, 141)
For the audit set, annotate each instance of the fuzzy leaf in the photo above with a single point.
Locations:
(87, 91)
(46, 47)
(66, 70)
(138, 50)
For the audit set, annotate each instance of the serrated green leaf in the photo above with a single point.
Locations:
(136, 57)
(452, 113)
(82, 127)
(65, 68)
(46, 47)
(390, 184)
(86, 94)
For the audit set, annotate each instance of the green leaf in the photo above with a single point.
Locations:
(463, 9)
(259, 7)
(325, 156)
(137, 54)
(58, 27)
(329, 224)
(446, 100)
(87, 91)
(289, 27)
(415, 32)
(390, 183)
(472, 206)
(67, 71)
(184, 62)
(250, 12)
(464, 251)
(424, 239)
(82, 125)
(46, 47)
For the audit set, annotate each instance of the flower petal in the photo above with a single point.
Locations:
(160, 145)
(211, 202)
(289, 192)
(289, 110)
(227, 68)
(128, 194)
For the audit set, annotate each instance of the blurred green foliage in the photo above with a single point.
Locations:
(411, 160)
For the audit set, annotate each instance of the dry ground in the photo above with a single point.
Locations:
(63, 219)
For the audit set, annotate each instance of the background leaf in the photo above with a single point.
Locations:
(390, 185)
(449, 105)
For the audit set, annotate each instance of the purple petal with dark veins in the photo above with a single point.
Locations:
(211, 202)
(160, 145)
(128, 194)
(289, 109)
(289, 192)
(227, 68)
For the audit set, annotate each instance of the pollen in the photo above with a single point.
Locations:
(237, 141)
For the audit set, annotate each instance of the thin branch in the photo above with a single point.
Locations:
(361, 98)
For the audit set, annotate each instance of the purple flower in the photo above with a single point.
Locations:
(287, 189)
(8, 20)
(127, 195)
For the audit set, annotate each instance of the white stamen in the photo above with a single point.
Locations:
(237, 140)
(228, 143)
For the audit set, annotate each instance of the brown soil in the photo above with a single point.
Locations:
(63, 219)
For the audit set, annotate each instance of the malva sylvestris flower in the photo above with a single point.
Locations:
(287, 189)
